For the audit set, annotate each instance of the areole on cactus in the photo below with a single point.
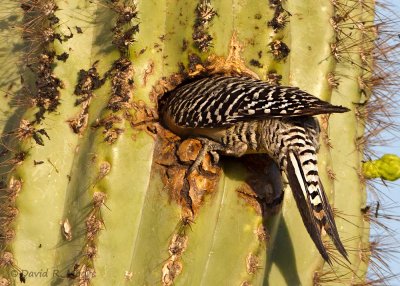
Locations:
(92, 183)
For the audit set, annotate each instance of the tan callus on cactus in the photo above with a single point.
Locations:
(93, 188)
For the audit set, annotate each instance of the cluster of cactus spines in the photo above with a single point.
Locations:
(351, 24)
(88, 177)
(357, 23)
(205, 13)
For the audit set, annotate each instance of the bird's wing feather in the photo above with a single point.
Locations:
(223, 101)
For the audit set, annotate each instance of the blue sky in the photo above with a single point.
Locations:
(393, 191)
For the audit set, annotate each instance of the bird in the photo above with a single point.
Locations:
(237, 115)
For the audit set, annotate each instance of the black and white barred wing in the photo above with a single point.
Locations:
(223, 101)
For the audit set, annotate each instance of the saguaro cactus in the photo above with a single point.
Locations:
(93, 188)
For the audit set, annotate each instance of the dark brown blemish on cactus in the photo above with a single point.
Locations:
(35, 163)
(22, 277)
(275, 3)
(279, 50)
(67, 37)
(49, 35)
(73, 274)
(371, 214)
(204, 14)
(124, 30)
(78, 30)
(26, 6)
(121, 75)
(38, 138)
(27, 130)
(181, 68)
(144, 118)
(88, 81)
(202, 41)
(125, 13)
(111, 133)
(194, 63)
(63, 57)
(366, 209)
(158, 48)
(142, 51)
(122, 86)
(47, 97)
(79, 123)
(280, 18)
(256, 63)
(18, 158)
(124, 38)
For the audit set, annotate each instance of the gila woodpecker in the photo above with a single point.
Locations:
(238, 115)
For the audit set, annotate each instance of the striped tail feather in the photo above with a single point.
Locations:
(313, 206)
